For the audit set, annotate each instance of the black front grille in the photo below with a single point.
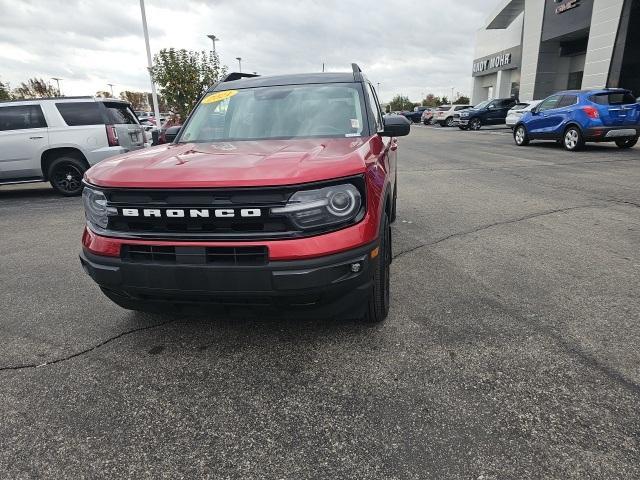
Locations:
(199, 227)
(220, 256)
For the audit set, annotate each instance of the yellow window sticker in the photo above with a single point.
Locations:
(219, 96)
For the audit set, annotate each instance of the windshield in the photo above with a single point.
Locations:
(482, 104)
(290, 111)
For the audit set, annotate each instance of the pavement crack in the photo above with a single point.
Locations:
(87, 350)
(491, 225)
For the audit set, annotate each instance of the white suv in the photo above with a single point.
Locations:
(57, 139)
(445, 114)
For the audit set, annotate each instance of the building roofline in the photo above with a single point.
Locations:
(504, 14)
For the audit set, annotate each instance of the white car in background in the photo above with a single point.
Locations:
(445, 114)
(58, 139)
(518, 110)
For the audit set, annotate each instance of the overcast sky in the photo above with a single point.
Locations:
(408, 46)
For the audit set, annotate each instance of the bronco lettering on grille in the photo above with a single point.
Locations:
(191, 212)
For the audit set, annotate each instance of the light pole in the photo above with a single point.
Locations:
(57, 79)
(452, 95)
(213, 39)
(239, 64)
(111, 85)
(154, 95)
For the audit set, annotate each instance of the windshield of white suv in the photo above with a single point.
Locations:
(279, 112)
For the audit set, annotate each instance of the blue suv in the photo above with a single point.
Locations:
(578, 116)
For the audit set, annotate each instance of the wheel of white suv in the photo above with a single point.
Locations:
(65, 175)
(626, 142)
(378, 303)
(520, 136)
(475, 124)
(448, 122)
(573, 139)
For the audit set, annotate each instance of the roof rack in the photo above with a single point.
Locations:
(357, 72)
(237, 76)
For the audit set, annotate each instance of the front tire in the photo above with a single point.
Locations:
(378, 303)
(475, 124)
(626, 142)
(573, 139)
(448, 122)
(65, 175)
(520, 136)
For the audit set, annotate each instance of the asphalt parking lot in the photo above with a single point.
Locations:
(511, 349)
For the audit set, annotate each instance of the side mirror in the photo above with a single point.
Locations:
(395, 126)
(171, 133)
(491, 107)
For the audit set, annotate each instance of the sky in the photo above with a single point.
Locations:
(409, 47)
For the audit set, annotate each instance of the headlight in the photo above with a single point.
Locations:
(326, 206)
(95, 207)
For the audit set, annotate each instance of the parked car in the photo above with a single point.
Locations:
(173, 121)
(456, 116)
(518, 110)
(444, 114)
(298, 217)
(428, 115)
(416, 115)
(58, 139)
(578, 116)
(489, 112)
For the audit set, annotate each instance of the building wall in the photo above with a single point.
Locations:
(602, 37)
(531, 36)
(489, 42)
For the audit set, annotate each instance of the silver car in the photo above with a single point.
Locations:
(57, 139)
(518, 110)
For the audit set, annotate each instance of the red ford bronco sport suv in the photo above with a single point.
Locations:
(277, 190)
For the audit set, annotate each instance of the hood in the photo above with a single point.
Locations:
(237, 164)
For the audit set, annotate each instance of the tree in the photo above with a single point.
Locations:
(431, 101)
(162, 104)
(5, 91)
(35, 88)
(103, 94)
(138, 100)
(400, 102)
(462, 100)
(183, 76)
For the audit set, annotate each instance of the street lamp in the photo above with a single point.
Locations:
(57, 79)
(213, 39)
(239, 64)
(154, 95)
(111, 85)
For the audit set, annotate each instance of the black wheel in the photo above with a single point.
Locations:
(573, 139)
(475, 124)
(378, 303)
(626, 142)
(65, 175)
(520, 136)
(448, 122)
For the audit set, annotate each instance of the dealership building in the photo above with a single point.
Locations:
(533, 48)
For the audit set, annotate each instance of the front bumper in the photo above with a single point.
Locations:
(326, 284)
(463, 121)
(609, 134)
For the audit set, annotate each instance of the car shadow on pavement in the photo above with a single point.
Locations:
(28, 191)
(232, 328)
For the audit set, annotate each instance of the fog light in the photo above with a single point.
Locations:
(356, 267)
